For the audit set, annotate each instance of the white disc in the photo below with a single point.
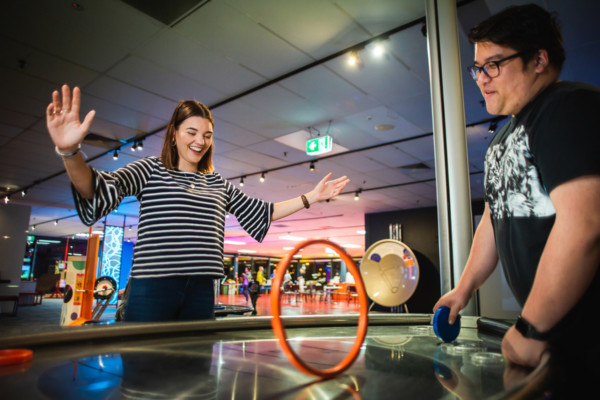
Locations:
(390, 272)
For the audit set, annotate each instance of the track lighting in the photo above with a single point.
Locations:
(378, 49)
(23, 193)
(140, 145)
(353, 58)
(262, 177)
(55, 222)
(493, 126)
(312, 166)
(116, 155)
(134, 147)
(356, 195)
(242, 181)
(6, 200)
(33, 227)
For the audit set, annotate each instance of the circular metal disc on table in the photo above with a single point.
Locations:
(390, 272)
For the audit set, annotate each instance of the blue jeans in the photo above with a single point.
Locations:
(170, 299)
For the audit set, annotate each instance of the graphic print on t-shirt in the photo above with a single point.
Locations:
(513, 186)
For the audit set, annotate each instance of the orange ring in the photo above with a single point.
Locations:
(279, 330)
(15, 356)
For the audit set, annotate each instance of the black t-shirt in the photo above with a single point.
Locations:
(554, 139)
(254, 287)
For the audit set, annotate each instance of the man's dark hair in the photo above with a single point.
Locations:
(526, 29)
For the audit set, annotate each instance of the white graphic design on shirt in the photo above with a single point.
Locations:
(512, 181)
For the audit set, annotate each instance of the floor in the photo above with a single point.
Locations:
(46, 316)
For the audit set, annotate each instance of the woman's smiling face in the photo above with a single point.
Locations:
(193, 138)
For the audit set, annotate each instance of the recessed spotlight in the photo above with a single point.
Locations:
(384, 127)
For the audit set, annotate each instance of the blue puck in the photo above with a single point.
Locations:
(442, 328)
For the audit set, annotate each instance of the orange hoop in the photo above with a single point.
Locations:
(277, 324)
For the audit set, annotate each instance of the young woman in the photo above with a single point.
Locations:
(183, 203)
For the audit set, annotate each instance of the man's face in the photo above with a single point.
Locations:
(513, 88)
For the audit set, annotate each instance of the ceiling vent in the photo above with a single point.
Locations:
(167, 12)
(415, 167)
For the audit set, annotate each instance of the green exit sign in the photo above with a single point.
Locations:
(319, 145)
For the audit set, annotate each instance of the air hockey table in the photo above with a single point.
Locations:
(239, 358)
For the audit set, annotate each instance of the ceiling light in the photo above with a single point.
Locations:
(493, 126)
(361, 232)
(356, 195)
(140, 145)
(23, 193)
(353, 58)
(242, 181)
(227, 241)
(378, 49)
(262, 177)
(6, 199)
(292, 238)
(134, 147)
(55, 222)
(246, 251)
(33, 227)
(116, 155)
(384, 127)
(312, 166)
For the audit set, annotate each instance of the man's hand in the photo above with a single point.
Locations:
(522, 351)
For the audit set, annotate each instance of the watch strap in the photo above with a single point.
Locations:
(529, 331)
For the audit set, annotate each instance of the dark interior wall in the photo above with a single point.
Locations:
(420, 233)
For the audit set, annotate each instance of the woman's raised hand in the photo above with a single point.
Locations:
(62, 119)
(326, 189)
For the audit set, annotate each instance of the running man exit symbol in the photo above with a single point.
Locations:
(319, 145)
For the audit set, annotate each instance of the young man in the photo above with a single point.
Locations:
(542, 185)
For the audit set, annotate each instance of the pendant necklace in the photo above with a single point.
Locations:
(195, 180)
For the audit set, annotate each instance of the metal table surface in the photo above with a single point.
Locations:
(239, 358)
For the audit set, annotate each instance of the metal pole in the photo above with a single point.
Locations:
(455, 224)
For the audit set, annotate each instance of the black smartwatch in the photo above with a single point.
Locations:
(528, 331)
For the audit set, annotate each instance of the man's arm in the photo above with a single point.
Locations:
(567, 266)
(482, 261)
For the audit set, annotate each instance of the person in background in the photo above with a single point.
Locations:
(246, 277)
(254, 289)
(260, 276)
(287, 277)
(542, 191)
(183, 204)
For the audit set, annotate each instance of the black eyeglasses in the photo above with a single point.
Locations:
(490, 68)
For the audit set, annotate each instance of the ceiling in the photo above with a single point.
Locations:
(274, 73)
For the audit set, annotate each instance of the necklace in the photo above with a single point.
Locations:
(195, 180)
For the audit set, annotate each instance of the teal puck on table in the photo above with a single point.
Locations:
(442, 328)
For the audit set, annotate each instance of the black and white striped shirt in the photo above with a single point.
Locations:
(182, 216)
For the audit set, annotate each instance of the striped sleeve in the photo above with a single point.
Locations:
(110, 188)
(254, 215)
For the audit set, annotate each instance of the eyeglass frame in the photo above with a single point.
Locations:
(474, 69)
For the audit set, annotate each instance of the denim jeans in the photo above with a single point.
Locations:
(170, 299)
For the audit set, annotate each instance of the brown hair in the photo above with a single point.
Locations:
(184, 110)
